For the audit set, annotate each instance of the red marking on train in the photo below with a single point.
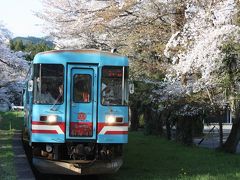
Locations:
(62, 126)
(84, 129)
(86, 123)
(45, 131)
(117, 132)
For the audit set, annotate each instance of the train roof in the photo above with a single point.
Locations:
(91, 56)
(82, 51)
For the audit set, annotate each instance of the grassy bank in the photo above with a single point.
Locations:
(151, 157)
(9, 122)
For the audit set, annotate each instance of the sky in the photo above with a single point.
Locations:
(18, 17)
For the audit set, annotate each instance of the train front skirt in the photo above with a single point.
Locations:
(72, 167)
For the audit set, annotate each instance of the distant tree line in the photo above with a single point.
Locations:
(30, 48)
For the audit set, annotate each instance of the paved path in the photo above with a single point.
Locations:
(211, 140)
(23, 169)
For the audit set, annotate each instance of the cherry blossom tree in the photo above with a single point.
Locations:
(13, 69)
(174, 45)
(138, 29)
(72, 23)
(197, 52)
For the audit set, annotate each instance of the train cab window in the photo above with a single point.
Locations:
(114, 88)
(48, 83)
(82, 88)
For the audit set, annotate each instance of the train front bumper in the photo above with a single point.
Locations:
(70, 168)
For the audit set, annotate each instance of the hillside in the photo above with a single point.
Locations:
(34, 40)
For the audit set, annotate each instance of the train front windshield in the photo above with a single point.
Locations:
(48, 83)
(114, 86)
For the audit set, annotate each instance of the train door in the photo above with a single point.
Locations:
(81, 102)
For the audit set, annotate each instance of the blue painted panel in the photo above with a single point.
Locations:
(48, 138)
(112, 139)
(41, 128)
(74, 109)
(39, 110)
(113, 110)
(118, 111)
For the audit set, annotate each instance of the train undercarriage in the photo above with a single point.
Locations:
(77, 158)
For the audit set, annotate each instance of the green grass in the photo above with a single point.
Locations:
(145, 157)
(6, 156)
(9, 122)
(151, 157)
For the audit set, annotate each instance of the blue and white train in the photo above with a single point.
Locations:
(76, 111)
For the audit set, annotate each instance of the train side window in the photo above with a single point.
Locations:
(82, 88)
(114, 86)
(48, 83)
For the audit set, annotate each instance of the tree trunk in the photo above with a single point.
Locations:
(233, 139)
(184, 130)
(157, 121)
(168, 126)
(134, 119)
(148, 120)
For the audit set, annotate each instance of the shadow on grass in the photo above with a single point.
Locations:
(151, 157)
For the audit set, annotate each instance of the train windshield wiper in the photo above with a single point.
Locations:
(58, 98)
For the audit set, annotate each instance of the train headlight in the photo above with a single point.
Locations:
(52, 118)
(49, 118)
(113, 119)
(110, 119)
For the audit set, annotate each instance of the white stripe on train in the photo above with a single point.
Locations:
(59, 130)
(113, 128)
(47, 127)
